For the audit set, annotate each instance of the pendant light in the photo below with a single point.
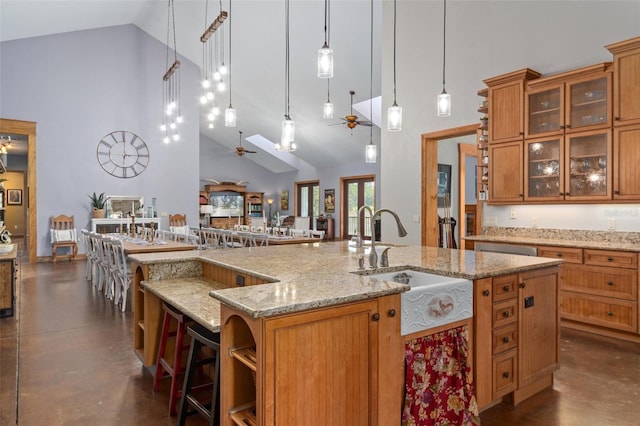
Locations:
(325, 53)
(210, 42)
(230, 112)
(444, 100)
(394, 113)
(327, 111)
(172, 115)
(288, 125)
(371, 151)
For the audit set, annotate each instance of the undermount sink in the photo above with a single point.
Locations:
(433, 300)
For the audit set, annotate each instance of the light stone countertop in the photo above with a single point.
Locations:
(312, 275)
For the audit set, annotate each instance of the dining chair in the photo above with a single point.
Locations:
(101, 261)
(108, 264)
(63, 234)
(86, 239)
(244, 238)
(229, 240)
(177, 220)
(259, 239)
(210, 239)
(121, 273)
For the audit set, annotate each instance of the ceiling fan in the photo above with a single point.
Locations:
(240, 150)
(351, 120)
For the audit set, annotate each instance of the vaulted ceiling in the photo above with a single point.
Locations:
(257, 66)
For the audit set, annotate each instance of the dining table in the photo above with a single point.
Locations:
(138, 245)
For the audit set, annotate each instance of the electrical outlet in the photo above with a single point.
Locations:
(512, 214)
(164, 214)
(534, 222)
(416, 218)
(611, 225)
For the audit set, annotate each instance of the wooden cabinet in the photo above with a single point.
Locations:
(253, 206)
(570, 167)
(326, 224)
(626, 156)
(626, 81)
(354, 376)
(518, 314)
(506, 172)
(8, 283)
(574, 101)
(506, 105)
(599, 289)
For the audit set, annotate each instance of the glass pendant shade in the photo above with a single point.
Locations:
(288, 134)
(327, 111)
(394, 118)
(230, 117)
(325, 62)
(444, 104)
(371, 153)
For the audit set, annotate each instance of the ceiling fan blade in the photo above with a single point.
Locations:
(250, 152)
(336, 124)
(365, 123)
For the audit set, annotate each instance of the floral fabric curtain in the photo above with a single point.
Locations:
(438, 383)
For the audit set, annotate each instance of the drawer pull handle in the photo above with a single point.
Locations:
(559, 254)
(506, 288)
(505, 314)
(610, 313)
(505, 374)
(609, 259)
(616, 192)
(523, 284)
(505, 339)
(392, 313)
(375, 317)
(485, 293)
(610, 283)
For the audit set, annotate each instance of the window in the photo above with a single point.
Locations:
(308, 199)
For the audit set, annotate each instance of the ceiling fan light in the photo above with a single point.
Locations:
(325, 62)
(394, 118)
(371, 153)
(230, 117)
(327, 111)
(444, 104)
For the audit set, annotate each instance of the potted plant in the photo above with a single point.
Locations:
(97, 203)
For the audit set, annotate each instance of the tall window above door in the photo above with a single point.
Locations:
(308, 199)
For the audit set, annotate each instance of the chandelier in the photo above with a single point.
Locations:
(171, 116)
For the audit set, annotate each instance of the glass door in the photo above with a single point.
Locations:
(588, 104)
(357, 192)
(589, 173)
(543, 160)
(544, 112)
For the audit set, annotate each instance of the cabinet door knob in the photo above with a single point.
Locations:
(616, 118)
(392, 313)
(610, 313)
(505, 314)
(505, 339)
(523, 284)
(521, 133)
(568, 126)
(375, 317)
(486, 293)
(562, 127)
(609, 259)
(505, 374)
(506, 288)
(616, 192)
(521, 195)
(610, 283)
(559, 254)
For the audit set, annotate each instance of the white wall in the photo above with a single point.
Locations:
(484, 39)
(78, 87)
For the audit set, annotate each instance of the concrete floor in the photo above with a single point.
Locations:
(76, 366)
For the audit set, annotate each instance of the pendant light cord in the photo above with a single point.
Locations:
(371, 77)
(229, 70)
(286, 61)
(444, 41)
(327, 35)
(326, 8)
(394, 52)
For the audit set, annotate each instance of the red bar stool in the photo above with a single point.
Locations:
(163, 367)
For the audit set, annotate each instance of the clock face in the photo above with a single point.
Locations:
(123, 154)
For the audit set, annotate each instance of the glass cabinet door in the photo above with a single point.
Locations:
(544, 160)
(545, 112)
(589, 171)
(588, 104)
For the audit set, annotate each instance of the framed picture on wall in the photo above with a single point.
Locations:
(329, 200)
(444, 184)
(284, 200)
(14, 197)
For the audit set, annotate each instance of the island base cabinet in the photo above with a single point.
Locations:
(517, 330)
(337, 365)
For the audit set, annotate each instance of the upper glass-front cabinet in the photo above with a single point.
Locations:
(557, 106)
(544, 166)
(588, 174)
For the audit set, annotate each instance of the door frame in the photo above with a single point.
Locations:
(28, 128)
(344, 195)
(429, 190)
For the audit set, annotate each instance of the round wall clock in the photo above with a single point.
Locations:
(123, 154)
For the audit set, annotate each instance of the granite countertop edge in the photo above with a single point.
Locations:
(601, 245)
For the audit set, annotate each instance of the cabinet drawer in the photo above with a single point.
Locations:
(505, 313)
(505, 338)
(568, 254)
(505, 287)
(599, 281)
(620, 259)
(505, 368)
(603, 311)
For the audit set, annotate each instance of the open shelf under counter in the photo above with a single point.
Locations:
(244, 415)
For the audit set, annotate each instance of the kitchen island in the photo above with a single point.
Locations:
(335, 329)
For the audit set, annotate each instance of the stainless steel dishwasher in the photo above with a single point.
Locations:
(507, 249)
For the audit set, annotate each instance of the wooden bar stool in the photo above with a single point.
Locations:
(164, 368)
(189, 404)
